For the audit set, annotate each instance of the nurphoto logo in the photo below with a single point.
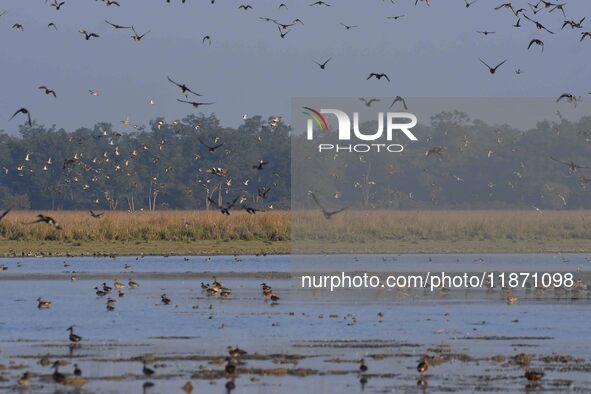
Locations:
(395, 121)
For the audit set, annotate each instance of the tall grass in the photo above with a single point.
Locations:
(364, 226)
(148, 226)
(350, 226)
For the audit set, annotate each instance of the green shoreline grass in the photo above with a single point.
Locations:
(202, 248)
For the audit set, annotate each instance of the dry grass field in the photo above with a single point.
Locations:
(203, 232)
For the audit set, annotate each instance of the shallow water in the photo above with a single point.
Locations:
(327, 333)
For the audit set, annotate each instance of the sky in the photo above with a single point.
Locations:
(249, 69)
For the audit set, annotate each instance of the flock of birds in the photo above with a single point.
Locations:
(99, 168)
(215, 288)
(192, 97)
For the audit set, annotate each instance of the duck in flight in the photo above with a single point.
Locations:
(347, 27)
(95, 214)
(536, 41)
(225, 210)
(57, 5)
(327, 214)
(116, 26)
(210, 148)
(369, 102)
(48, 91)
(260, 165)
(23, 111)
(87, 35)
(47, 219)
(193, 103)
(377, 76)
(138, 37)
(492, 70)
(572, 166)
(401, 100)
(322, 65)
(183, 87)
(3, 214)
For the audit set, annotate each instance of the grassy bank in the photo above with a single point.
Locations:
(194, 232)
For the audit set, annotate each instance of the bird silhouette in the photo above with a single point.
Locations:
(47, 90)
(536, 41)
(87, 35)
(23, 111)
(116, 26)
(193, 103)
(492, 70)
(3, 214)
(183, 87)
(377, 76)
(327, 214)
(322, 65)
(401, 100)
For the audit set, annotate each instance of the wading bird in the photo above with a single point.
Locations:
(73, 337)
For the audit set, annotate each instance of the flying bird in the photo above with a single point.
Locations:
(57, 5)
(138, 37)
(183, 87)
(23, 111)
(536, 41)
(260, 165)
(48, 91)
(193, 103)
(327, 214)
(369, 102)
(492, 70)
(571, 98)
(347, 27)
(116, 26)
(399, 99)
(322, 65)
(87, 35)
(436, 150)
(245, 7)
(320, 3)
(225, 210)
(572, 166)
(47, 219)
(211, 148)
(284, 33)
(95, 214)
(378, 76)
(3, 215)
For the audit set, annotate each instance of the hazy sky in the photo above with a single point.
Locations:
(249, 68)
